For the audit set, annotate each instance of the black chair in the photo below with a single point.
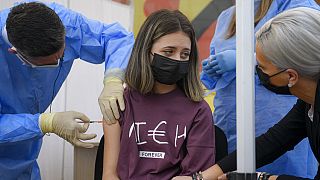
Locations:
(220, 142)
(99, 161)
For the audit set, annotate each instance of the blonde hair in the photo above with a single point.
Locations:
(262, 11)
(291, 40)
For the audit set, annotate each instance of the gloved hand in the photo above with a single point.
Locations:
(111, 96)
(207, 69)
(66, 125)
(220, 63)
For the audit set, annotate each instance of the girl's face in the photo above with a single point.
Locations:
(176, 46)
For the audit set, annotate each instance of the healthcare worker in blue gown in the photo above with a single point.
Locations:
(31, 74)
(219, 74)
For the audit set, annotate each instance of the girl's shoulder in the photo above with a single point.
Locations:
(199, 106)
(204, 105)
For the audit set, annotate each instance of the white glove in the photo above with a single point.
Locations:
(111, 96)
(66, 125)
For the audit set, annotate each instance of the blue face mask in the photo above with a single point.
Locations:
(168, 71)
(265, 81)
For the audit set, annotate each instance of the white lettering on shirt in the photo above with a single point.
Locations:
(155, 133)
(135, 128)
(184, 135)
(137, 132)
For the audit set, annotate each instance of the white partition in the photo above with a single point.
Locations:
(245, 87)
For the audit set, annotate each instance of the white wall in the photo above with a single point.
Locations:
(81, 89)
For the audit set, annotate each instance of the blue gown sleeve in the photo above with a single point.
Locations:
(15, 127)
(208, 82)
(96, 42)
(19, 127)
(289, 4)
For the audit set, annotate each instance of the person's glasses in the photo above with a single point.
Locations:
(25, 61)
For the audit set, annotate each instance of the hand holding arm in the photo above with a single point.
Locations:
(111, 96)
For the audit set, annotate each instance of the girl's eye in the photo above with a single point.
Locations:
(167, 53)
(185, 55)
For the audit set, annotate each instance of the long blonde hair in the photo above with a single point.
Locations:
(262, 11)
(139, 75)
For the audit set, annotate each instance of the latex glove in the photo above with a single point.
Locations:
(67, 126)
(221, 63)
(111, 96)
(207, 69)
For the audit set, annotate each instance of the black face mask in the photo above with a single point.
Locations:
(265, 81)
(168, 71)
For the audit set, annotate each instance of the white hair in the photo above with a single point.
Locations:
(292, 40)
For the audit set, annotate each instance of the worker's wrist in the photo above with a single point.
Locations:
(114, 73)
(111, 79)
(45, 122)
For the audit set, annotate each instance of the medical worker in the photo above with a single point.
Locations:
(219, 74)
(38, 45)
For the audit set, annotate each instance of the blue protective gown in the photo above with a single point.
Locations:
(26, 92)
(270, 107)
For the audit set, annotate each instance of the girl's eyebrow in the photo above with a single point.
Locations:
(170, 47)
(173, 47)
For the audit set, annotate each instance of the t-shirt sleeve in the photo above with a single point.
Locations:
(200, 143)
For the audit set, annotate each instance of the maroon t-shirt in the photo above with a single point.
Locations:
(172, 136)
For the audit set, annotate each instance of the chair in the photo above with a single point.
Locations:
(221, 143)
(99, 161)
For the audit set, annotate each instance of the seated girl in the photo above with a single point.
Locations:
(166, 129)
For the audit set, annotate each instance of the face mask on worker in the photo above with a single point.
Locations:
(168, 71)
(265, 81)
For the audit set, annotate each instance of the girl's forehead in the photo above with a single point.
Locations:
(177, 39)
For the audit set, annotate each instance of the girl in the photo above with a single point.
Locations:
(166, 128)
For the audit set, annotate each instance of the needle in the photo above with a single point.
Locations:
(95, 121)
